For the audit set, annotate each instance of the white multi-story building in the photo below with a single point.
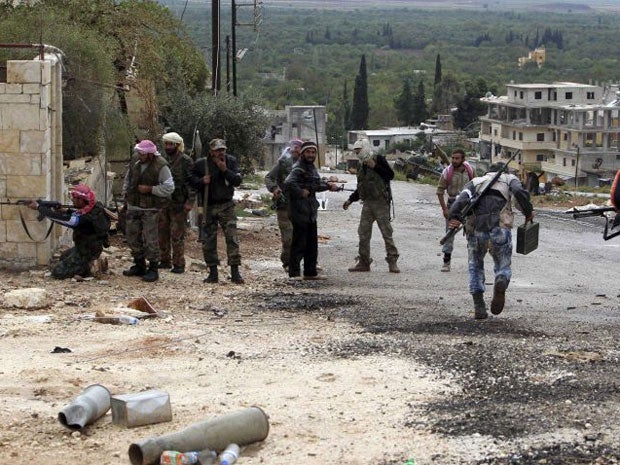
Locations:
(564, 129)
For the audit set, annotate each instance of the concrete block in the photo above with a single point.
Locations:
(2, 231)
(44, 253)
(32, 88)
(22, 164)
(29, 249)
(20, 116)
(14, 98)
(35, 141)
(28, 72)
(45, 117)
(8, 250)
(15, 232)
(28, 298)
(13, 89)
(9, 141)
(11, 212)
(26, 187)
(2, 87)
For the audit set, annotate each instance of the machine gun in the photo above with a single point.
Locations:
(473, 202)
(610, 223)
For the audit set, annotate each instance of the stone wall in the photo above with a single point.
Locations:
(30, 157)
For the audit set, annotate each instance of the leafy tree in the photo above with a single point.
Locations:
(404, 104)
(469, 107)
(360, 109)
(99, 41)
(419, 111)
(238, 120)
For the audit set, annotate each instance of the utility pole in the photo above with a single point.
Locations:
(234, 46)
(228, 64)
(215, 46)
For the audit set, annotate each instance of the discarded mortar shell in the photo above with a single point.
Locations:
(92, 403)
(142, 408)
(243, 427)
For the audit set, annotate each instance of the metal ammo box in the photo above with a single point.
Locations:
(143, 408)
(527, 237)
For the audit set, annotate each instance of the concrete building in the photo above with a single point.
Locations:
(294, 122)
(564, 129)
(385, 138)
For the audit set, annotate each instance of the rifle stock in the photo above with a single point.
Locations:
(475, 199)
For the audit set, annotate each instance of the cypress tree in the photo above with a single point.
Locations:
(404, 104)
(347, 107)
(437, 70)
(360, 109)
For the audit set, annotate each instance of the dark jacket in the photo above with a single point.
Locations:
(90, 230)
(223, 183)
(373, 183)
(303, 176)
(181, 170)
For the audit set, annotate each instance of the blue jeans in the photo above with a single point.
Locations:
(498, 242)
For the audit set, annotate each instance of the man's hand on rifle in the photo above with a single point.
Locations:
(277, 192)
(346, 204)
(454, 223)
(33, 204)
(206, 179)
(333, 186)
(371, 163)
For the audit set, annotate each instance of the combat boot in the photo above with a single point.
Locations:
(213, 276)
(235, 276)
(361, 265)
(499, 294)
(152, 274)
(480, 308)
(392, 266)
(139, 269)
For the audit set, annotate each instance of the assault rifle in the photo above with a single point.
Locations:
(473, 202)
(342, 188)
(610, 223)
(53, 204)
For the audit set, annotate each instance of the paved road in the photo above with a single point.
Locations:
(538, 382)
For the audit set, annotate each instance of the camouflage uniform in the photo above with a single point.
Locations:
(220, 207)
(173, 217)
(143, 209)
(273, 180)
(90, 236)
(373, 188)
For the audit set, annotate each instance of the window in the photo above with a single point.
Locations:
(495, 132)
(554, 138)
(521, 95)
(515, 94)
(514, 135)
(541, 157)
(376, 142)
(540, 137)
(520, 136)
(565, 136)
(538, 95)
(568, 95)
(617, 157)
(572, 163)
(563, 161)
(590, 95)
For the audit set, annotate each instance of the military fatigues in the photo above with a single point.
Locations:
(489, 227)
(457, 182)
(373, 188)
(173, 217)
(303, 215)
(273, 180)
(90, 236)
(220, 207)
(143, 209)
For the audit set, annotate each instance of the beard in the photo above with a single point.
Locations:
(171, 151)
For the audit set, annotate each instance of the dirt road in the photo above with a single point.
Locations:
(364, 368)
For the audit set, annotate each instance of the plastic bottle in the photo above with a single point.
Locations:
(230, 454)
(172, 457)
(128, 320)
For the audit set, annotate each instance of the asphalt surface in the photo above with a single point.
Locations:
(539, 383)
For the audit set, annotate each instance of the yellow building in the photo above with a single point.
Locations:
(538, 55)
